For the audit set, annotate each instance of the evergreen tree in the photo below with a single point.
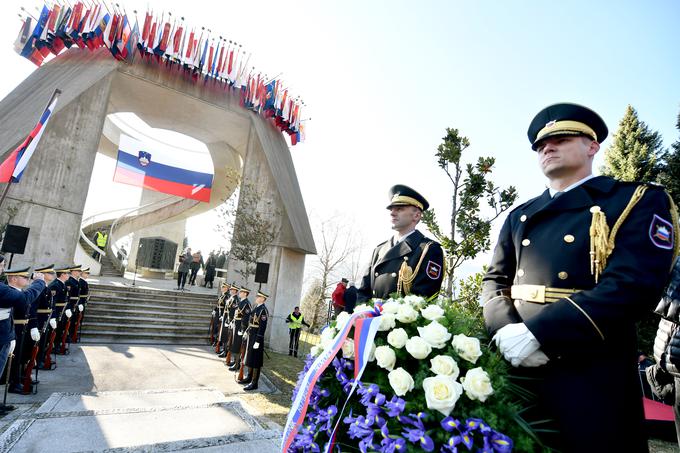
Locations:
(670, 175)
(636, 152)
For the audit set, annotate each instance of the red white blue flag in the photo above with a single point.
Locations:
(161, 170)
(13, 167)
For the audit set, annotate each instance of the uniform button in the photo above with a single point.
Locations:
(562, 275)
(394, 274)
(523, 218)
(376, 274)
(569, 238)
(526, 242)
(406, 258)
(520, 273)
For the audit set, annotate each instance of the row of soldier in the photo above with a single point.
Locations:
(237, 332)
(41, 313)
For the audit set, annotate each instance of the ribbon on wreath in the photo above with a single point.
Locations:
(365, 325)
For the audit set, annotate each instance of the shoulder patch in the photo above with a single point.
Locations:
(433, 270)
(54, 293)
(661, 233)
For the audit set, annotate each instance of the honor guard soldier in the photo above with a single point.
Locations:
(58, 318)
(573, 271)
(409, 263)
(255, 349)
(73, 297)
(83, 298)
(44, 309)
(218, 314)
(227, 323)
(240, 326)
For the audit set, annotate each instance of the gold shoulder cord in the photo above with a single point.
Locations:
(408, 275)
(601, 240)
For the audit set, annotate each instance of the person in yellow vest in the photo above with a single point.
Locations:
(295, 322)
(100, 238)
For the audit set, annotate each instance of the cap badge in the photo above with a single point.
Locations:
(551, 123)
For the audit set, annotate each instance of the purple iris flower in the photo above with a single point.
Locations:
(389, 445)
(449, 423)
(500, 442)
(395, 406)
(359, 428)
(366, 444)
(368, 392)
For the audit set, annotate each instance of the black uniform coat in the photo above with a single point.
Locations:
(240, 325)
(73, 293)
(590, 385)
(380, 280)
(19, 300)
(217, 312)
(258, 324)
(84, 294)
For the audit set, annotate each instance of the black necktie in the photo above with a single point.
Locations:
(558, 194)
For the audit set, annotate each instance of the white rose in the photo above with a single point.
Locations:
(418, 347)
(348, 349)
(362, 307)
(387, 322)
(442, 393)
(341, 320)
(406, 314)
(400, 381)
(432, 312)
(397, 338)
(315, 351)
(467, 347)
(391, 306)
(327, 337)
(415, 301)
(477, 384)
(435, 334)
(385, 357)
(444, 365)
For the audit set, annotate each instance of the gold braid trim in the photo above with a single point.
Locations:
(674, 218)
(601, 239)
(408, 275)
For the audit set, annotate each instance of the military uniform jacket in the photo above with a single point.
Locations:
(84, 294)
(73, 290)
(11, 298)
(59, 297)
(256, 328)
(587, 329)
(241, 315)
(380, 280)
(44, 306)
(232, 305)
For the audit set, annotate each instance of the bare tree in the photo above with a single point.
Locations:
(313, 307)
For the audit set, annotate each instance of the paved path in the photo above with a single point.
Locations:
(137, 398)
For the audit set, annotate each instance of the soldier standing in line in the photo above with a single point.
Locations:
(232, 305)
(73, 294)
(57, 320)
(255, 350)
(408, 263)
(240, 325)
(83, 298)
(218, 313)
(44, 308)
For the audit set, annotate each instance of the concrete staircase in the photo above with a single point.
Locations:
(109, 269)
(117, 314)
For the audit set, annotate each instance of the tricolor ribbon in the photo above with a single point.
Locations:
(365, 325)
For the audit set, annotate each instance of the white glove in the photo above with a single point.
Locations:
(38, 276)
(53, 323)
(80, 307)
(538, 358)
(516, 343)
(12, 344)
(221, 318)
(239, 333)
(256, 345)
(35, 335)
(68, 313)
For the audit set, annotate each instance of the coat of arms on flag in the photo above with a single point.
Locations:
(144, 158)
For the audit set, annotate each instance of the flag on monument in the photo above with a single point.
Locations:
(13, 167)
(160, 170)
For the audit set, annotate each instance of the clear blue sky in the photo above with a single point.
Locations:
(383, 79)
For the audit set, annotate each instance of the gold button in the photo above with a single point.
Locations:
(569, 238)
(563, 275)
(394, 274)
(376, 274)
(523, 218)
(526, 242)
(520, 272)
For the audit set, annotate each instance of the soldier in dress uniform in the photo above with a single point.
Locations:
(240, 325)
(83, 298)
(73, 294)
(231, 306)
(57, 320)
(218, 312)
(573, 271)
(408, 263)
(255, 349)
(44, 308)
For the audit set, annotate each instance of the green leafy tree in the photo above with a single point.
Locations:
(469, 229)
(636, 152)
(670, 174)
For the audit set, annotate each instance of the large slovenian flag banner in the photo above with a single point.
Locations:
(160, 170)
(12, 168)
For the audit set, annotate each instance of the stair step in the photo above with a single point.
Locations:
(146, 328)
(142, 298)
(89, 335)
(128, 312)
(95, 304)
(134, 320)
(155, 292)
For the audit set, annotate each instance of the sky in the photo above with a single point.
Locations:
(384, 79)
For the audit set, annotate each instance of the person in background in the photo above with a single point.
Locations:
(196, 264)
(183, 269)
(350, 296)
(210, 266)
(338, 297)
(295, 322)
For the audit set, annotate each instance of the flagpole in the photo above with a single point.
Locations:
(56, 93)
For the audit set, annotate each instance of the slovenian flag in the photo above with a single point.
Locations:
(160, 170)
(12, 168)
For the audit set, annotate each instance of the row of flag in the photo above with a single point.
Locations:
(167, 40)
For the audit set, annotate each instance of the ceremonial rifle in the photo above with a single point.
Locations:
(33, 362)
(50, 344)
(219, 337)
(230, 341)
(76, 330)
(244, 347)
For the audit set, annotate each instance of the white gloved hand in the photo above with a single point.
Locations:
(239, 333)
(68, 313)
(12, 345)
(53, 323)
(35, 334)
(516, 343)
(80, 307)
(537, 358)
(221, 318)
(256, 345)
